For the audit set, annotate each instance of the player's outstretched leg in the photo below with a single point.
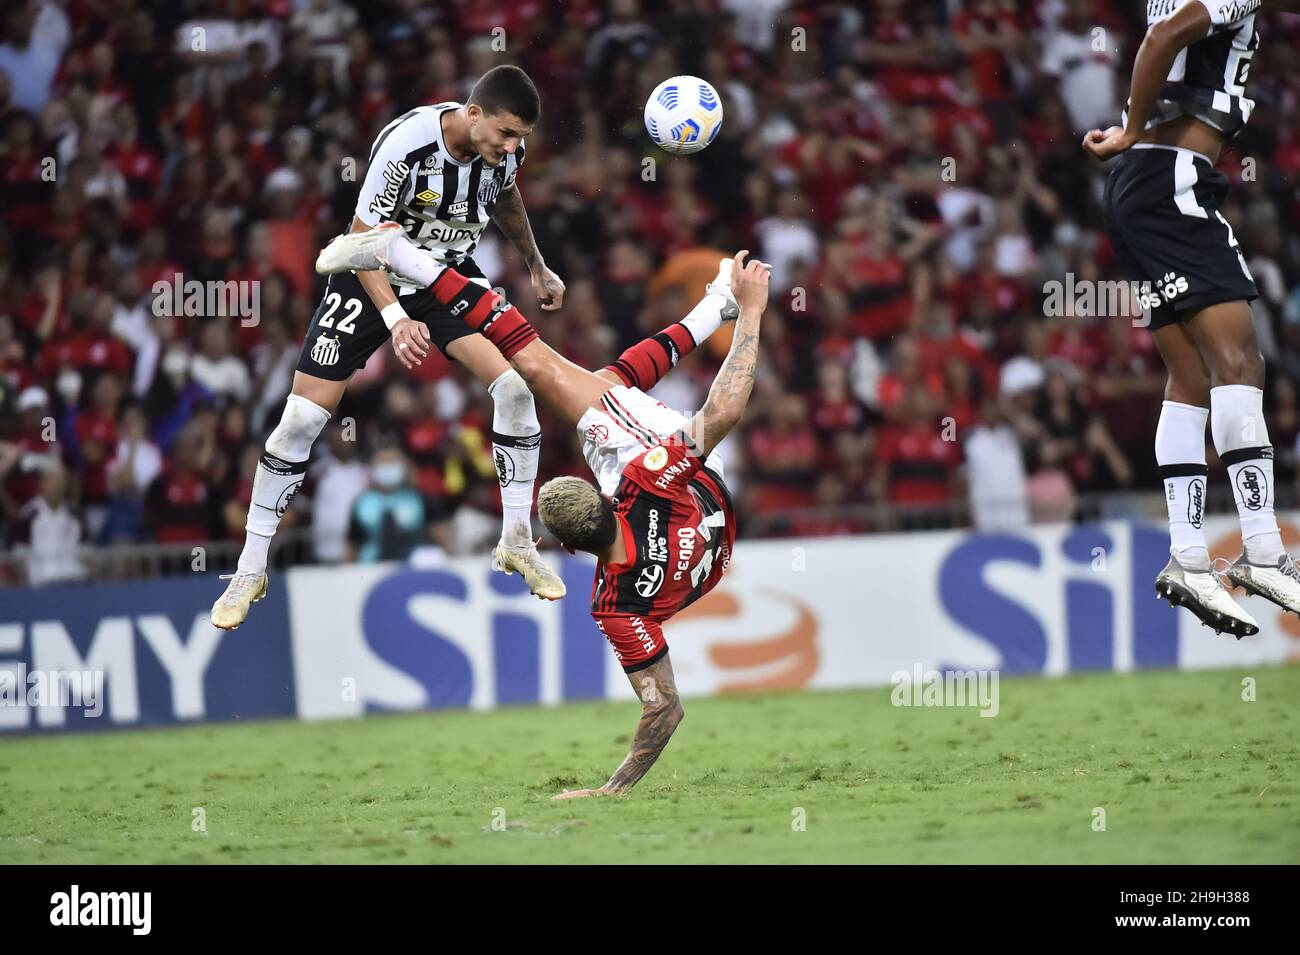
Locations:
(645, 363)
(280, 473)
(564, 387)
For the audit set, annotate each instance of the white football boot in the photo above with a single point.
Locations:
(722, 286)
(1201, 593)
(244, 590)
(541, 580)
(1280, 584)
(358, 251)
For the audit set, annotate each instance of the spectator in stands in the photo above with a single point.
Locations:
(53, 532)
(340, 478)
(916, 462)
(134, 467)
(389, 518)
(995, 472)
(180, 506)
(216, 368)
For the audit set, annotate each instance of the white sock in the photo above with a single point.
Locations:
(279, 475)
(1180, 454)
(410, 262)
(705, 318)
(1241, 438)
(516, 447)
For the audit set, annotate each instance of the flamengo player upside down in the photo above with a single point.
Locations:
(661, 522)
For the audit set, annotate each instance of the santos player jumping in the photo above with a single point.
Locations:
(1188, 96)
(440, 172)
(661, 523)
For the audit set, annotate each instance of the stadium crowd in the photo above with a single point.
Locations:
(912, 170)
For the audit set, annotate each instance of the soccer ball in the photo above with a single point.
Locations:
(683, 114)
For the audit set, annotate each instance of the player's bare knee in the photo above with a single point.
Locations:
(1189, 388)
(1243, 366)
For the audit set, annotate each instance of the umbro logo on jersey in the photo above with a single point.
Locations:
(426, 198)
(325, 351)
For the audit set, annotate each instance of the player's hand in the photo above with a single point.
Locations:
(749, 281)
(549, 288)
(411, 342)
(579, 793)
(1104, 144)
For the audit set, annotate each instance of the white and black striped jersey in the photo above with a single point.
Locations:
(1208, 78)
(440, 201)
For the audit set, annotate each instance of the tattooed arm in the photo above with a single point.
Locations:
(511, 217)
(661, 711)
(735, 379)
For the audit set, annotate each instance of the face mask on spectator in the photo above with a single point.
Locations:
(387, 474)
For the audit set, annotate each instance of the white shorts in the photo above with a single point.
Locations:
(627, 425)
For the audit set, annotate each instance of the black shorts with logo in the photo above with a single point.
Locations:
(1162, 216)
(347, 327)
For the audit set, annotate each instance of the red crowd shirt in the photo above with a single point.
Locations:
(86, 349)
(101, 429)
(919, 463)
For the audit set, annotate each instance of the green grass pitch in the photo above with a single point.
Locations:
(1185, 770)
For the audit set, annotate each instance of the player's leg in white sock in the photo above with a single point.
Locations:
(1180, 455)
(413, 263)
(279, 475)
(706, 317)
(516, 447)
(1241, 438)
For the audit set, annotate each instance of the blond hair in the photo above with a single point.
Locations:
(574, 511)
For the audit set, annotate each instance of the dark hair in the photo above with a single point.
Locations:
(507, 89)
